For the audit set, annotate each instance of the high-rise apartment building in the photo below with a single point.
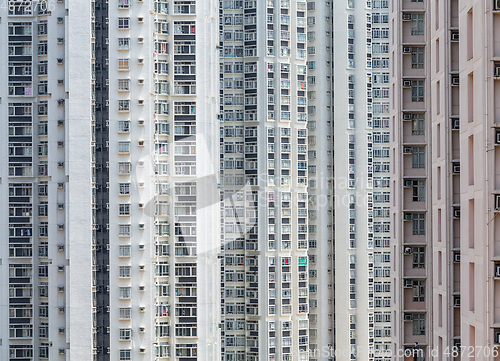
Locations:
(45, 256)
(119, 102)
(445, 84)
(264, 209)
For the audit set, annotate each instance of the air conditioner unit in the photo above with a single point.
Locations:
(60, 227)
(61, 309)
(141, 267)
(407, 250)
(60, 123)
(140, 81)
(141, 248)
(140, 122)
(140, 20)
(455, 80)
(406, 17)
(456, 257)
(62, 351)
(497, 202)
(140, 40)
(60, 289)
(60, 144)
(60, 102)
(141, 143)
(408, 317)
(497, 337)
(59, 20)
(496, 5)
(141, 102)
(141, 61)
(456, 169)
(406, 116)
(456, 124)
(60, 247)
(142, 329)
(141, 205)
(408, 283)
(60, 81)
(406, 50)
(61, 330)
(60, 164)
(60, 206)
(406, 83)
(496, 73)
(60, 61)
(142, 309)
(60, 268)
(409, 183)
(407, 150)
(408, 216)
(141, 225)
(497, 137)
(456, 212)
(497, 270)
(60, 185)
(455, 36)
(142, 288)
(456, 301)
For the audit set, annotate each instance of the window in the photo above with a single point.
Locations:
(124, 272)
(123, 23)
(124, 168)
(419, 323)
(125, 334)
(125, 313)
(418, 191)
(125, 354)
(419, 291)
(417, 91)
(123, 105)
(123, 43)
(417, 124)
(418, 257)
(124, 189)
(417, 24)
(124, 4)
(418, 157)
(124, 292)
(417, 57)
(123, 84)
(124, 126)
(123, 64)
(124, 251)
(124, 230)
(124, 209)
(124, 147)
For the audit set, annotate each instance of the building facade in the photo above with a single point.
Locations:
(444, 78)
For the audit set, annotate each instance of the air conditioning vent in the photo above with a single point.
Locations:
(140, 81)
(456, 301)
(406, 116)
(455, 124)
(406, 83)
(60, 123)
(141, 225)
(497, 137)
(456, 257)
(140, 122)
(141, 61)
(407, 250)
(408, 283)
(142, 288)
(407, 150)
(456, 169)
(456, 212)
(142, 309)
(455, 80)
(141, 267)
(142, 329)
(496, 5)
(408, 317)
(409, 183)
(406, 17)
(141, 143)
(497, 270)
(455, 36)
(406, 50)
(408, 216)
(141, 248)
